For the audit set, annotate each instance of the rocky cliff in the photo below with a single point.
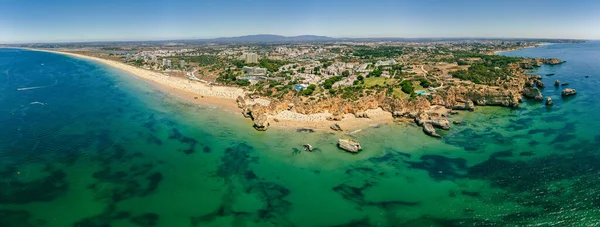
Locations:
(427, 111)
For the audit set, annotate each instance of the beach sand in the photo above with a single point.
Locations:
(224, 98)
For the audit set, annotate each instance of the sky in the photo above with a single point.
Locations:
(23, 21)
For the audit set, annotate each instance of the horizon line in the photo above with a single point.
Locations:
(285, 36)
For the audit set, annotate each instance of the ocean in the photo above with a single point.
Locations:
(85, 145)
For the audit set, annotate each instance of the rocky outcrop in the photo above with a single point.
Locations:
(568, 92)
(241, 103)
(540, 84)
(335, 127)
(556, 83)
(564, 84)
(466, 105)
(552, 61)
(531, 63)
(436, 116)
(425, 110)
(308, 147)
(532, 93)
(430, 130)
(261, 123)
(349, 145)
(549, 101)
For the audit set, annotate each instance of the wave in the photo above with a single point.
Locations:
(37, 87)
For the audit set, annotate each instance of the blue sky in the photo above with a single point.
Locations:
(81, 20)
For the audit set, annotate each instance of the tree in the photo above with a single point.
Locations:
(345, 73)
(329, 82)
(309, 90)
(360, 77)
(375, 73)
(407, 87)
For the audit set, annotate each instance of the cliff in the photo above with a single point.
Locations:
(427, 111)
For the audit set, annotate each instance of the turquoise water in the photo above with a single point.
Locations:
(93, 146)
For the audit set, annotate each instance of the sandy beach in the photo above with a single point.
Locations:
(288, 119)
(224, 98)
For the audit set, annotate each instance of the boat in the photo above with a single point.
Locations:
(550, 74)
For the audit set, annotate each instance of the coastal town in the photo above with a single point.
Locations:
(337, 85)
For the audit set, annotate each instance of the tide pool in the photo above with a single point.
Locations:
(93, 146)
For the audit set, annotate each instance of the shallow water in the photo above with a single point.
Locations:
(93, 146)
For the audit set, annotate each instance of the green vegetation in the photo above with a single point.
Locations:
(407, 87)
(271, 65)
(378, 52)
(345, 73)
(375, 73)
(486, 71)
(309, 90)
(231, 79)
(375, 81)
(202, 60)
(329, 82)
(424, 82)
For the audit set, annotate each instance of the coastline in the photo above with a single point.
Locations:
(520, 48)
(225, 98)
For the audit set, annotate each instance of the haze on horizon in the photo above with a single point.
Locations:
(117, 20)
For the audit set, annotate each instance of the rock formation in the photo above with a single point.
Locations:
(261, 123)
(556, 83)
(549, 101)
(568, 92)
(427, 111)
(552, 61)
(349, 145)
(539, 84)
(531, 63)
(308, 147)
(533, 93)
(335, 127)
(430, 130)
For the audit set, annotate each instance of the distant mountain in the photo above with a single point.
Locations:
(266, 38)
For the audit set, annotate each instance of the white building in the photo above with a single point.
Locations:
(182, 63)
(255, 71)
(251, 58)
(386, 63)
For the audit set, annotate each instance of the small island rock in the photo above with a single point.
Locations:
(549, 101)
(349, 145)
(308, 147)
(569, 92)
(556, 83)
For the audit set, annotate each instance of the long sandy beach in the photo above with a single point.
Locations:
(224, 97)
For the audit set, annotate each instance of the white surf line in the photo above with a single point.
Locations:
(39, 103)
(37, 87)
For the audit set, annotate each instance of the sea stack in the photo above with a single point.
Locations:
(549, 101)
(533, 93)
(556, 83)
(568, 92)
